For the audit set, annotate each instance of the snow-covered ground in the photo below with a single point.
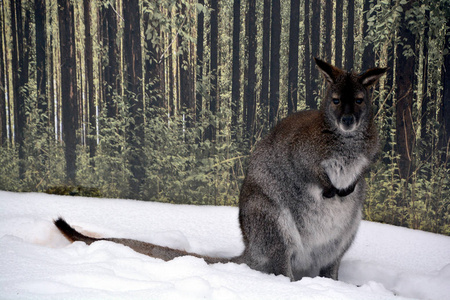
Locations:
(36, 262)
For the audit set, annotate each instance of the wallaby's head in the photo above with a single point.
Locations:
(347, 104)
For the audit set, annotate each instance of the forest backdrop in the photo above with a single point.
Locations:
(163, 100)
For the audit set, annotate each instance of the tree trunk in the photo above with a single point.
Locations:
(133, 67)
(214, 62)
(328, 17)
(68, 86)
(187, 98)
(187, 101)
(275, 62)
(20, 57)
(92, 141)
(264, 94)
(52, 113)
(200, 49)
(309, 97)
(152, 67)
(349, 44)
(339, 24)
(404, 95)
(172, 91)
(17, 37)
(368, 59)
(426, 112)
(3, 82)
(41, 75)
(249, 95)
(235, 80)
(315, 50)
(293, 56)
(111, 82)
(446, 91)
(171, 81)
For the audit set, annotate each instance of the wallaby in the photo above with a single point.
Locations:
(300, 202)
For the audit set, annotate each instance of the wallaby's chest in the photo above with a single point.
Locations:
(342, 171)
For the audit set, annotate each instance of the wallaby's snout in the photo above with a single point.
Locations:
(348, 121)
(348, 116)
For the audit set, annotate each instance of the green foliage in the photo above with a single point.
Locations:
(422, 202)
(185, 168)
(180, 165)
(44, 162)
(109, 169)
(44, 165)
(382, 20)
(68, 190)
(9, 169)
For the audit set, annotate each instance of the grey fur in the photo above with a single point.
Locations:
(300, 203)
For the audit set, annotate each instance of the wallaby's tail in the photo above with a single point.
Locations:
(152, 250)
(71, 234)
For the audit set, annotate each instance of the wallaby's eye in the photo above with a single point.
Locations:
(336, 101)
(359, 100)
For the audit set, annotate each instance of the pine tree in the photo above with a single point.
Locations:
(187, 98)
(133, 68)
(235, 88)
(404, 94)
(349, 43)
(200, 50)
(309, 98)
(315, 49)
(446, 89)
(111, 78)
(153, 78)
(41, 74)
(68, 86)
(89, 62)
(339, 26)
(264, 93)
(275, 41)
(328, 19)
(368, 54)
(3, 84)
(213, 106)
(293, 56)
(249, 94)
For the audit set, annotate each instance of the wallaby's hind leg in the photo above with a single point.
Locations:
(267, 255)
(331, 271)
(299, 271)
(265, 248)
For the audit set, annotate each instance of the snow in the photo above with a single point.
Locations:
(37, 262)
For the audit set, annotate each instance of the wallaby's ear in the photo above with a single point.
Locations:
(371, 76)
(329, 71)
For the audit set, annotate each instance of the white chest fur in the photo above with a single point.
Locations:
(343, 174)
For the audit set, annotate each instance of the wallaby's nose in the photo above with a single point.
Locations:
(347, 120)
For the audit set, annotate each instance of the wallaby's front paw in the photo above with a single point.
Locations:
(330, 192)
